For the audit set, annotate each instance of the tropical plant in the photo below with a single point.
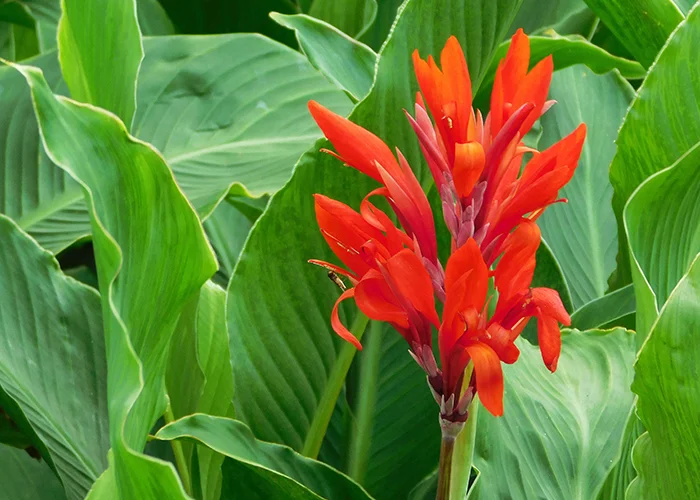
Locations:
(166, 183)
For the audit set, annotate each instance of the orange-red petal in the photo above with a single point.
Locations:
(338, 326)
(489, 377)
(357, 146)
(469, 164)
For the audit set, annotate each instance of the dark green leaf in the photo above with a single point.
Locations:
(345, 62)
(52, 358)
(605, 311)
(272, 463)
(145, 232)
(641, 25)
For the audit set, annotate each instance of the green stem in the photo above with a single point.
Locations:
(445, 469)
(180, 461)
(464, 454)
(336, 379)
(364, 409)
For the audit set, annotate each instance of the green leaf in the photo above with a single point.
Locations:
(227, 229)
(567, 51)
(52, 358)
(239, 102)
(26, 478)
(100, 59)
(199, 377)
(563, 16)
(394, 417)
(271, 462)
(666, 381)
(641, 25)
(43, 197)
(662, 124)
(583, 232)
(144, 231)
(213, 127)
(605, 311)
(662, 219)
(287, 361)
(350, 16)
(153, 20)
(378, 32)
(345, 62)
(227, 16)
(559, 432)
(46, 14)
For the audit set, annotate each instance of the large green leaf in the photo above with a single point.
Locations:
(666, 381)
(662, 124)
(641, 25)
(662, 219)
(278, 306)
(43, 197)
(346, 62)
(272, 462)
(199, 377)
(559, 434)
(26, 478)
(239, 102)
(52, 358)
(151, 257)
(213, 126)
(99, 59)
(583, 233)
(353, 17)
(394, 417)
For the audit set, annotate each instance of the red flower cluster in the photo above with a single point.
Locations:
(490, 209)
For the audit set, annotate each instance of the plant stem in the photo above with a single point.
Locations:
(180, 461)
(464, 454)
(336, 379)
(445, 470)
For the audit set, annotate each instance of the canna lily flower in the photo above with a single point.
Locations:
(476, 162)
(390, 282)
(367, 153)
(467, 334)
(489, 207)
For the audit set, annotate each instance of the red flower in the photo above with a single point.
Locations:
(367, 153)
(475, 163)
(390, 281)
(467, 334)
(489, 208)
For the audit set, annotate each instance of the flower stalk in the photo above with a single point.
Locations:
(447, 448)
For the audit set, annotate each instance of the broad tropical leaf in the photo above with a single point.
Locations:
(557, 436)
(272, 462)
(26, 478)
(583, 233)
(641, 25)
(145, 232)
(346, 62)
(667, 384)
(52, 358)
(100, 60)
(662, 124)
